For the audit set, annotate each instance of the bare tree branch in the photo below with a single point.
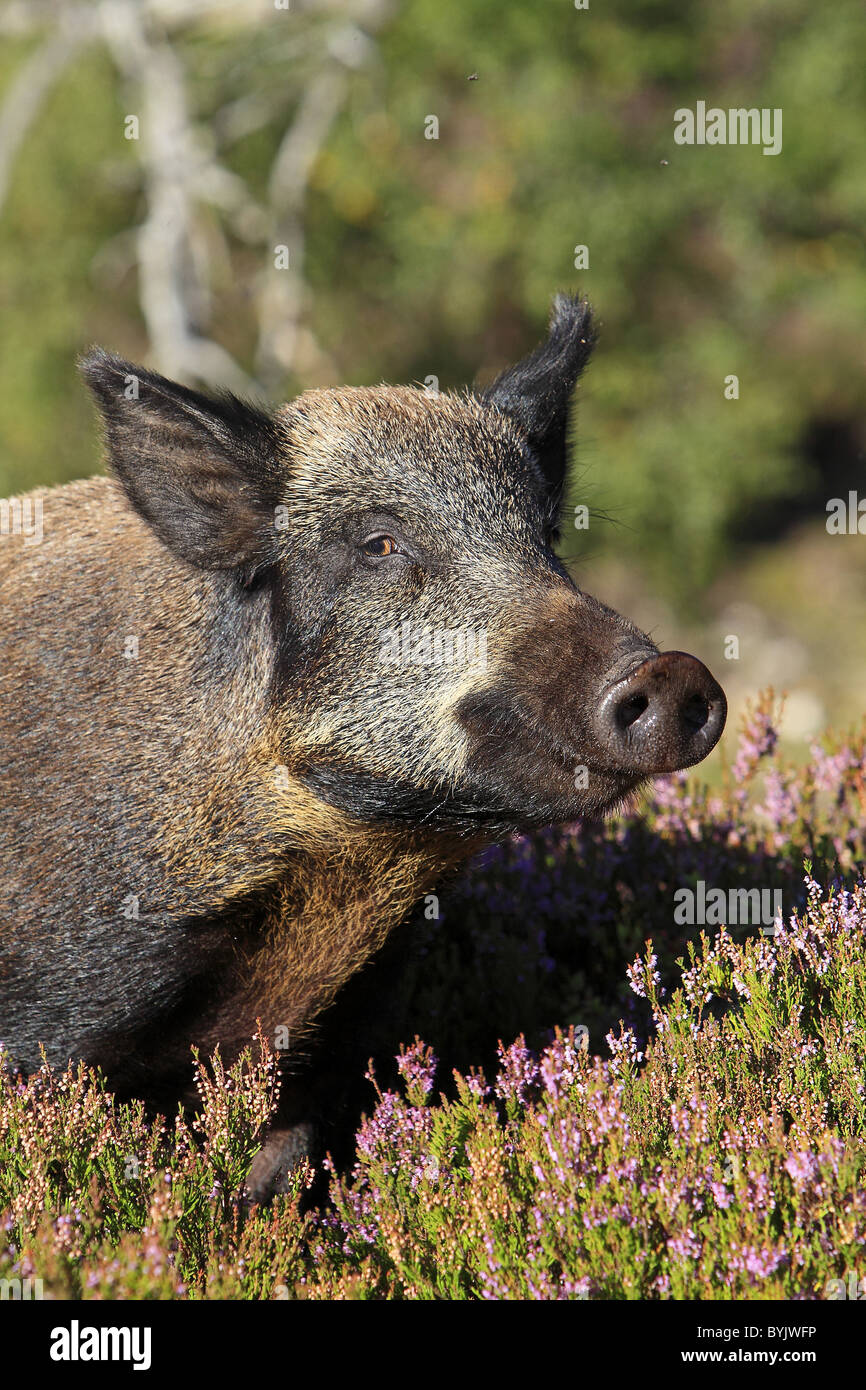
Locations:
(283, 296)
(170, 290)
(320, 42)
(281, 301)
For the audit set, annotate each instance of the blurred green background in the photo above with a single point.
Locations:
(304, 127)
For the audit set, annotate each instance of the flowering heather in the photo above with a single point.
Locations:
(685, 1175)
(758, 739)
(707, 1143)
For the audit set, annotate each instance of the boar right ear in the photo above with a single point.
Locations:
(537, 391)
(203, 472)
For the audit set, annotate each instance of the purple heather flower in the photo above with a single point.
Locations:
(802, 1168)
(684, 1246)
(417, 1066)
(476, 1084)
(560, 1065)
(829, 768)
(781, 804)
(757, 740)
(518, 1073)
(643, 975)
(758, 1261)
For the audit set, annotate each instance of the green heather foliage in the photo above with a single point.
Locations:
(714, 1150)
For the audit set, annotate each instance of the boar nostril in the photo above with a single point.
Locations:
(631, 710)
(666, 714)
(695, 711)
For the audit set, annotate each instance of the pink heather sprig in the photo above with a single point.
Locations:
(802, 1168)
(689, 1122)
(518, 1075)
(758, 739)
(395, 1136)
(829, 769)
(757, 1261)
(417, 1065)
(644, 977)
(476, 1084)
(684, 1246)
(562, 1062)
(781, 805)
(677, 810)
(722, 1195)
(624, 1051)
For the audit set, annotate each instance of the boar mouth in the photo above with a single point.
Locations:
(652, 714)
(559, 798)
(492, 807)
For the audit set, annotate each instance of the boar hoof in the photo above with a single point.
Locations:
(282, 1152)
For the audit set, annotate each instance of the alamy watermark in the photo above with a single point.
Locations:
(846, 516)
(738, 125)
(20, 1290)
(853, 1288)
(77, 1343)
(411, 645)
(22, 516)
(715, 907)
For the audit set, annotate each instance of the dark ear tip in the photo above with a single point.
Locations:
(94, 360)
(101, 370)
(571, 316)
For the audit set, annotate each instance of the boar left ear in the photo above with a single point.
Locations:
(203, 472)
(537, 391)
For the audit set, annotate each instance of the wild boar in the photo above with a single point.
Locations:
(265, 682)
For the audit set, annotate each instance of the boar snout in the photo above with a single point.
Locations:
(664, 715)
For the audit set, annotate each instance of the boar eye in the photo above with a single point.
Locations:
(381, 546)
